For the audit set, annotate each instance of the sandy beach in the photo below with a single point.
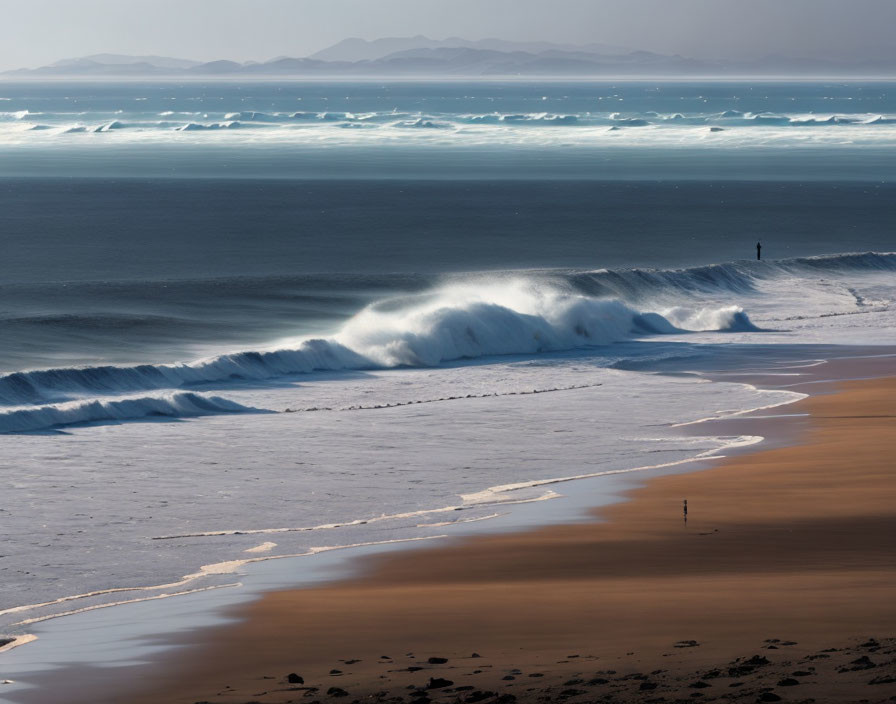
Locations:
(780, 585)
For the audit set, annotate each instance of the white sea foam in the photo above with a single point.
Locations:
(220, 568)
(264, 547)
(16, 642)
(492, 493)
(493, 499)
(606, 129)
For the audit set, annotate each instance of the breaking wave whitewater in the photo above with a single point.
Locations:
(98, 122)
(171, 405)
(462, 321)
(511, 314)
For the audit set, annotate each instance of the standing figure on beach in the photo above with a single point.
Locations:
(685, 511)
(758, 251)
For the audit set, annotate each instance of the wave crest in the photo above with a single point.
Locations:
(452, 323)
(464, 321)
(174, 405)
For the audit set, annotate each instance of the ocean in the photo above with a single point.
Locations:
(258, 320)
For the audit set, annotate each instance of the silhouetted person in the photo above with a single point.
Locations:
(685, 511)
(758, 251)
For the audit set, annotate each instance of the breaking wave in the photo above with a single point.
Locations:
(515, 315)
(172, 405)
(452, 323)
(298, 122)
(730, 277)
(196, 126)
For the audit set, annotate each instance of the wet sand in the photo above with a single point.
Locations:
(786, 554)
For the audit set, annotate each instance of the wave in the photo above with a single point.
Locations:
(629, 121)
(741, 277)
(196, 126)
(295, 123)
(517, 315)
(456, 322)
(421, 123)
(174, 405)
(251, 116)
(523, 119)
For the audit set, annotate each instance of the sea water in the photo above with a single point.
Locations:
(240, 322)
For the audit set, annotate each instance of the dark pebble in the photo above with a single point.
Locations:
(335, 672)
(883, 679)
(438, 683)
(293, 678)
(862, 663)
(437, 661)
(336, 692)
(769, 697)
(788, 682)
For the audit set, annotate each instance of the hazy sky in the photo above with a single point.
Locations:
(36, 32)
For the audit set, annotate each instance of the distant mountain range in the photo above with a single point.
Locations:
(363, 50)
(454, 57)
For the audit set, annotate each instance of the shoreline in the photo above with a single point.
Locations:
(801, 556)
(616, 479)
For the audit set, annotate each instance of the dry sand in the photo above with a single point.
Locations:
(787, 553)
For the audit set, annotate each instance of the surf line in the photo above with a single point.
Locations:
(481, 499)
(220, 568)
(360, 521)
(439, 400)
